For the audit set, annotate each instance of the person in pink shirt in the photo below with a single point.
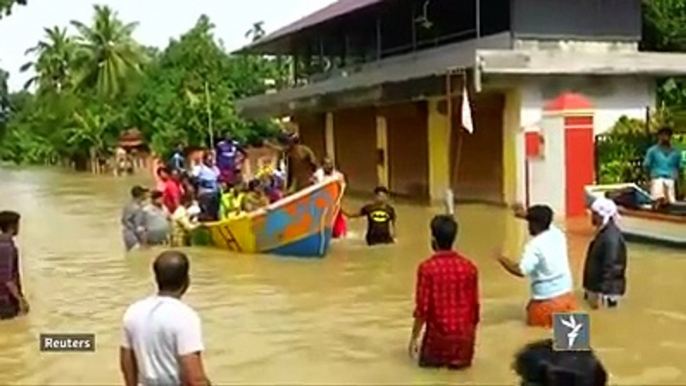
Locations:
(327, 170)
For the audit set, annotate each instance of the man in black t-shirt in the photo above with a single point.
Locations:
(380, 219)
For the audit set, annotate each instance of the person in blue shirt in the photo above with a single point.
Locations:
(178, 160)
(662, 161)
(207, 179)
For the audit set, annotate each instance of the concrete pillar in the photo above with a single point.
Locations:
(559, 173)
(329, 137)
(439, 151)
(382, 147)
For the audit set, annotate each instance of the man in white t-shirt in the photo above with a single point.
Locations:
(163, 342)
(545, 263)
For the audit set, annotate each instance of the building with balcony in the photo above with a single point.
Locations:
(371, 80)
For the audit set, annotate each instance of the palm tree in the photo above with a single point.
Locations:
(256, 32)
(89, 131)
(108, 53)
(55, 57)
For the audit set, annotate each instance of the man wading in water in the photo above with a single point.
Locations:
(447, 302)
(162, 336)
(12, 301)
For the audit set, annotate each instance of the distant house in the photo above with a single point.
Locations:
(370, 85)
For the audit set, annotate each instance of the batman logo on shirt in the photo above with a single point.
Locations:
(380, 216)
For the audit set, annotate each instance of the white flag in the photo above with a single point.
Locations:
(467, 121)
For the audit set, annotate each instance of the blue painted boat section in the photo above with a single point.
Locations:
(309, 246)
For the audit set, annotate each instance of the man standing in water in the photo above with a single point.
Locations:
(662, 161)
(163, 342)
(133, 218)
(12, 301)
(447, 302)
(380, 219)
(545, 263)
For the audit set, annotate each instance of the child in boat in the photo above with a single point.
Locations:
(380, 219)
(231, 204)
(272, 184)
(255, 198)
(184, 221)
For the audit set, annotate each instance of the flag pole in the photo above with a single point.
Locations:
(460, 138)
(449, 194)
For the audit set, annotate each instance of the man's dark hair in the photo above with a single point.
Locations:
(138, 191)
(540, 215)
(171, 270)
(381, 189)
(665, 130)
(9, 220)
(254, 184)
(163, 169)
(539, 364)
(444, 231)
(156, 194)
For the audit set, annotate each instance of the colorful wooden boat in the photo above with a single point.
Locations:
(641, 222)
(300, 225)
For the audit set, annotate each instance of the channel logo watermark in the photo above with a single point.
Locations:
(67, 342)
(571, 332)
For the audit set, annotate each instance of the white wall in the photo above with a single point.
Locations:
(612, 97)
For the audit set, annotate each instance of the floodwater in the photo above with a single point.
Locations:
(268, 320)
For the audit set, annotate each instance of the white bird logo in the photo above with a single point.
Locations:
(574, 327)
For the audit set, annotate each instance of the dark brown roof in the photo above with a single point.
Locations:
(337, 9)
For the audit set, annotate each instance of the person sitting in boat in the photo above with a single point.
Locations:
(231, 205)
(663, 163)
(229, 153)
(606, 258)
(255, 198)
(272, 182)
(207, 178)
(340, 227)
(380, 219)
(184, 221)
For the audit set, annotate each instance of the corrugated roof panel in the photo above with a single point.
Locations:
(339, 8)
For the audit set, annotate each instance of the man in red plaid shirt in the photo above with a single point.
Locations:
(447, 303)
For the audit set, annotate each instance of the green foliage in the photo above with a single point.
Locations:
(92, 86)
(620, 151)
(6, 6)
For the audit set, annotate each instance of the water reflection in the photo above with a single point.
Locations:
(268, 320)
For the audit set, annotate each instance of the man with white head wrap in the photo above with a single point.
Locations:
(605, 266)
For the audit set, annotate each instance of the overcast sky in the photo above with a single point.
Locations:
(159, 21)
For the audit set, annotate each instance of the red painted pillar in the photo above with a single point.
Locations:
(576, 113)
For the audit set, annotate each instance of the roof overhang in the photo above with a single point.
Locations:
(510, 62)
(392, 70)
(335, 10)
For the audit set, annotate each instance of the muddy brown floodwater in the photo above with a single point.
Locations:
(341, 320)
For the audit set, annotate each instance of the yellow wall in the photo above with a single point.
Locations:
(329, 137)
(511, 128)
(382, 143)
(439, 151)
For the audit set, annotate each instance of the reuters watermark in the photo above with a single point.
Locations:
(67, 342)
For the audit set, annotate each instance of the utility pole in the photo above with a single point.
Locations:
(209, 114)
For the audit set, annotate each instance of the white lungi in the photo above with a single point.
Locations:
(663, 188)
